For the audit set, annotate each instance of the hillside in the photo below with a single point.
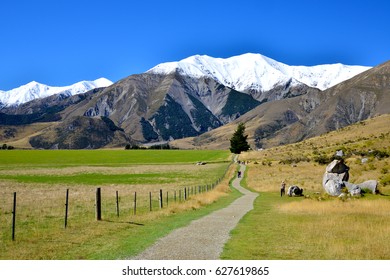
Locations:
(291, 120)
(304, 163)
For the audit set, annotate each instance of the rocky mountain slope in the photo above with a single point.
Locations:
(290, 120)
(154, 107)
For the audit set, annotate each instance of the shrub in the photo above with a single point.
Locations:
(162, 147)
(322, 159)
(292, 159)
(133, 147)
(7, 147)
(385, 180)
(380, 154)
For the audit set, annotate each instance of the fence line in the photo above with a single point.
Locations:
(184, 194)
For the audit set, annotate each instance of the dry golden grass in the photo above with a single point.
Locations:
(352, 229)
(265, 178)
(378, 207)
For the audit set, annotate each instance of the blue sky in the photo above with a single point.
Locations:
(62, 42)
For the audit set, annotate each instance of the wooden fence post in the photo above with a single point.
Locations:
(167, 198)
(14, 218)
(98, 204)
(185, 193)
(135, 203)
(150, 201)
(66, 207)
(117, 203)
(161, 199)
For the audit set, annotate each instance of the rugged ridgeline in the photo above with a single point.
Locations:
(291, 120)
(152, 107)
(197, 97)
(148, 107)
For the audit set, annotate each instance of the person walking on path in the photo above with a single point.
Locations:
(282, 189)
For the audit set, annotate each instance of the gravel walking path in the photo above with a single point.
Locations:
(203, 239)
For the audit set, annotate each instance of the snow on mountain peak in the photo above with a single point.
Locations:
(34, 90)
(255, 71)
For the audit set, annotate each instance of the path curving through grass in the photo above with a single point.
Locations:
(203, 239)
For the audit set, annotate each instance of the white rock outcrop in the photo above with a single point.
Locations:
(336, 178)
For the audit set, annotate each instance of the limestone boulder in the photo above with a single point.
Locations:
(294, 191)
(336, 174)
(336, 178)
(370, 185)
(353, 189)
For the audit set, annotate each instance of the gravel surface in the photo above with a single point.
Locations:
(202, 239)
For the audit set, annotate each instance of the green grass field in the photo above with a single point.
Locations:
(63, 158)
(41, 178)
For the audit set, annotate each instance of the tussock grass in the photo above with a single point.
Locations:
(378, 207)
(264, 178)
(356, 229)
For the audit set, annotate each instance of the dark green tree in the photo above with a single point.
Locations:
(238, 142)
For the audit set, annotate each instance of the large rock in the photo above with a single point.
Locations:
(295, 191)
(370, 186)
(336, 178)
(335, 175)
(353, 189)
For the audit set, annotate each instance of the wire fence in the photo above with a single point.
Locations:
(29, 213)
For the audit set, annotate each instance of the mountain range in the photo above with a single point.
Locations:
(291, 120)
(256, 73)
(200, 97)
(35, 90)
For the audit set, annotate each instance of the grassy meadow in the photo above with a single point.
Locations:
(317, 226)
(41, 178)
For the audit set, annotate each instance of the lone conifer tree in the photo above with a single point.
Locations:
(238, 142)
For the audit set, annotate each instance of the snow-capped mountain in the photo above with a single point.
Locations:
(34, 90)
(255, 72)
